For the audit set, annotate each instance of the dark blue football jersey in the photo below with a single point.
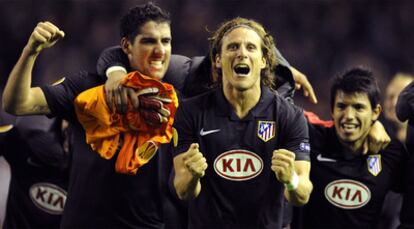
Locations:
(33, 147)
(349, 189)
(239, 189)
(190, 77)
(97, 195)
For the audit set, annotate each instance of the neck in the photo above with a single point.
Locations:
(356, 147)
(242, 101)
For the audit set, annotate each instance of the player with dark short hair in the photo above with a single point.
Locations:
(349, 184)
(98, 197)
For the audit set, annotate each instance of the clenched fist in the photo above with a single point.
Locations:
(194, 161)
(45, 35)
(283, 164)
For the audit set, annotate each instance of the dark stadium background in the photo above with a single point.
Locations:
(319, 37)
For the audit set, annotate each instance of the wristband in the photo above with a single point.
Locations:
(293, 185)
(113, 69)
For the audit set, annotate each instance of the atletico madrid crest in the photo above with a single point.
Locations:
(374, 164)
(266, 130)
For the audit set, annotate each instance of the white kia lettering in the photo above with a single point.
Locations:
(238, 165)
(347, 194)
(48, 197)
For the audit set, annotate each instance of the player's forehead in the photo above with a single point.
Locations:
(154, 29)
(351, 98)
(240, 35)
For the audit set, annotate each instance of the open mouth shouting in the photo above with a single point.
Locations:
(241, 69)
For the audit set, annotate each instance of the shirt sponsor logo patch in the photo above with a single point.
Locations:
(347, 194)
(238, 165)
(266, 130)
(305, 147)
(48, 197)
(374, 164)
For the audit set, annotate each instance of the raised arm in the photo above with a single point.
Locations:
(19, 98)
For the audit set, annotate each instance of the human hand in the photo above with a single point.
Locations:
(283, 164)
(194, 161)
(376, 140)
(151, 107)
(116, 93)
(44, 35)
(301, 81)
(146, 101)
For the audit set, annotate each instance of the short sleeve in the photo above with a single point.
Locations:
(294, 130)
(112, 56)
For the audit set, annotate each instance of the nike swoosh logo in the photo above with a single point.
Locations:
(320, 158)
(204, 133)
(33, 163)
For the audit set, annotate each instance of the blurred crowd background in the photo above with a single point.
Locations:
(319, 37)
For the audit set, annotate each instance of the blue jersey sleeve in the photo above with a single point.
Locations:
(112, 56)
(60, 97)
(294, 131)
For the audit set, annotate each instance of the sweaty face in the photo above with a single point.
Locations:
(353, 116)
(150, 51)
(391, 97)
(241, 59)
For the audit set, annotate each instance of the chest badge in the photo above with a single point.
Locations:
(266, 130)
(374, 164)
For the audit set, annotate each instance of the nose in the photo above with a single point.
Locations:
(242, 52)
(159, 49)
(349, 113)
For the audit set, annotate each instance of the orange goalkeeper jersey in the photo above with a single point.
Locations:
(104, 127)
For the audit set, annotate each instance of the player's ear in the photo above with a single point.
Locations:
(263, 63)
(126, 45)
(376, 111)
(217, 61)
